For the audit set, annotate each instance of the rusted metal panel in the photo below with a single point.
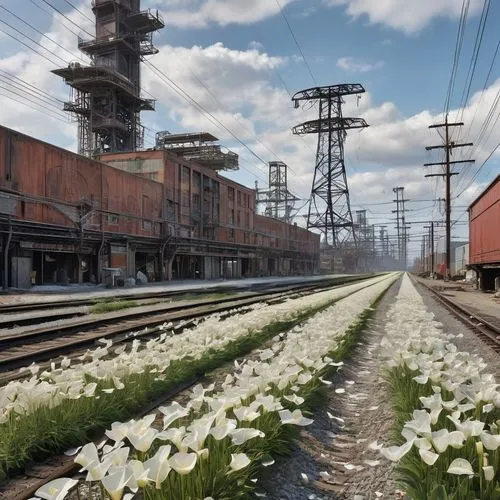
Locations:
(484, 226)
(59, 187)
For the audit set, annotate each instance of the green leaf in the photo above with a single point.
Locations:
(439, 493)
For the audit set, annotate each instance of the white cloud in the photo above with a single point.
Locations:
(409, 16)
(202, 13)
(350, 64)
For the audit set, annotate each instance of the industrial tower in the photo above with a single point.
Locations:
(329, 208)
(279, 202)
(106, 96)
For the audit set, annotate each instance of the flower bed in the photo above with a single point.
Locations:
(62, 406)
(214, 446)
(448, 408)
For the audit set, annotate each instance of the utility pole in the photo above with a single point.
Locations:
(431, 244)
(401, 227)
(448, 146)
(422, 255)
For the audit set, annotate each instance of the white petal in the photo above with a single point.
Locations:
(460, 466)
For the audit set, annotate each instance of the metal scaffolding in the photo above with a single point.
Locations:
(106, 96)
(278, 200)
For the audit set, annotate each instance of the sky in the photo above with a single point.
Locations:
(241, 60)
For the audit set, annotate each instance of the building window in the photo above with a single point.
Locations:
(230, 194)
(113, 220)
(239, 198)
(231, 216)
(238, 218)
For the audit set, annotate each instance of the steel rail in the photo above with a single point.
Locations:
(487, 331)
(19, 350)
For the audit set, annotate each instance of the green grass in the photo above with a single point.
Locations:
(107, 305)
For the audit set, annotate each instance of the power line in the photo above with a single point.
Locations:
(51, 112)
(458, 50)
(50, 15)
(67, 18)
(28, 46)
(296, 41)
(475, 54)
(41, 33)
(15, 80)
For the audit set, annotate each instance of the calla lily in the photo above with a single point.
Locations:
(115, 483)
(396, 453)
(172, 413)
(428, 456)
(245, 414)
(244, 434)
(183, 463)
(138, 475)
(490, 441)
(56, 489)
(295, 399)
(142, 439)
(219, 432)
(294, 418)
(158, 467)
(460, 466)
(87, 455)
(239, 461)
(489, 473)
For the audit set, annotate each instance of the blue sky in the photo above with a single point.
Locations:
(243, 52)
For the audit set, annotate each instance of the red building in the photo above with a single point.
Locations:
(484, 237)
(64, 217)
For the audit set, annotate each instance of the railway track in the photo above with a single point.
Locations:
(167, 294)
(488, 332)
(24, 487)
(49, 342)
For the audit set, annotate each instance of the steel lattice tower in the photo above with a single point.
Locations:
(279, 202)
(329, 208)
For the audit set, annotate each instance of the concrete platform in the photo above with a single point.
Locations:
(482, 304)
(51, 293)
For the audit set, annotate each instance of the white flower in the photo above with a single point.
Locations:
(294, 418)
(490, 441)
(489, 473)
(115, 483)
(460, 466)
(428, 456)
(244, 434)
(56, 489)
(183, 463)
(395, 453)
(158, 467)
(239, 461)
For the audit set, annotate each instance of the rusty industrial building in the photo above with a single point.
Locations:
(115, 207)
(66, 218)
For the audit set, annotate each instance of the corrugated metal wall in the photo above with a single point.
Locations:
(484, 226)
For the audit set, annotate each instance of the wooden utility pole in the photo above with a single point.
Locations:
(431, 244)
(448, 146)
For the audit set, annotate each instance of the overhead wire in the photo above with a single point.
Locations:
(456, 57)
(285, 18)
(26, 45)
(43, 9)
(42, 34)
